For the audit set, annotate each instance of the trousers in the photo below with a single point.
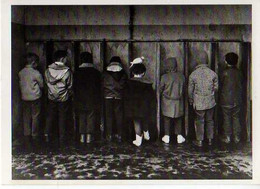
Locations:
(231, 123)
(177, 122)
(57, 110)
(31, 117)
(114, 115)
(86, 122)
(202, 118)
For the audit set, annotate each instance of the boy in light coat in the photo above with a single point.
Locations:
(203, 83)
(172, 89)
(31, 84)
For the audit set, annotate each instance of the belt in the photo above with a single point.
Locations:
(113, 98)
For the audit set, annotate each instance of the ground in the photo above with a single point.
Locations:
(153, 160)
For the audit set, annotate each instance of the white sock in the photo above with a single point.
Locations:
(138, 140)
(146, 135)
(166, 139)
(180, 139)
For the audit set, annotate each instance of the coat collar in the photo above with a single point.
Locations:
(59, 63)
(201, 65)
(28, 66)
(86, 65)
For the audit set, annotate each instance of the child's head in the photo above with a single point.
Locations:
(115, 64)
(170, 65)
(231, 59)
(137, 68)
(32, 59)
(86, 57)
(60, 56)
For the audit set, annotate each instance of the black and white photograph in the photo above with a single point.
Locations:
(131, 92)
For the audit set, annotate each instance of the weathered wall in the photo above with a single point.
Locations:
(150, 22)
(18, 49)
(18, 15)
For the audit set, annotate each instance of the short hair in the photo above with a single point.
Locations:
(59, 54)
(30, 57)
(231, 58)
(86, 57)
(115, 59)
(138, 69)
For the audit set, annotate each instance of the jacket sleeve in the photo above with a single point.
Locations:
(123, 80)
(39, 79)
(191, 86)
(215, 83)
(69, 80)
(162, 85)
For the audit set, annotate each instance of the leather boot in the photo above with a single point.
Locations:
(197, 143)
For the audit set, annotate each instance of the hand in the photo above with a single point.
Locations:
(191, 102)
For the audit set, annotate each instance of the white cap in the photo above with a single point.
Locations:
(138, 60)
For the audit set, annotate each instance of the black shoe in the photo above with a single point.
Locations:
(47, 138)
(118, 138)
(35, 140)
(197, 143)
(225, 139)
(109, 138)
(89, 139)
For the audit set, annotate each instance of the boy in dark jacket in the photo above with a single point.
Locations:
(58, 77)
(87, 96)
(114, 81)
(230, 98)
(139, 91)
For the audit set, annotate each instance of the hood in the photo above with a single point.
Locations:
(86, 65)
(56, 72)
(170, 65)
(114, 67)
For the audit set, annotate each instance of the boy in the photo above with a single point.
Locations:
(114, 81)
(87, 93)
(230, 98)
(31, 84)
(59, 81)
(171, 88)
(203, 83)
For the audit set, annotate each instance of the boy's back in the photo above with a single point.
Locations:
(231, 86)
(30, 83)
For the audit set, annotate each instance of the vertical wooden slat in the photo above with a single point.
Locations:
(157, 80)
(76, 49)
(248, 93)
(102, 59)
(186, 73)
(214, 52)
